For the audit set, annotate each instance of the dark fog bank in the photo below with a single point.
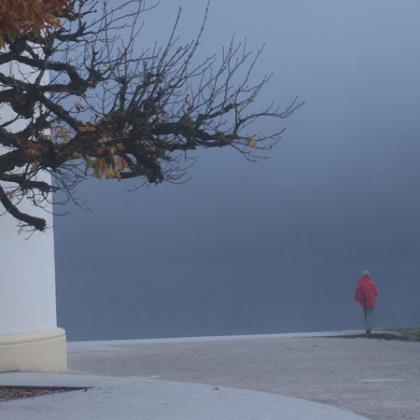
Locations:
(275, 246)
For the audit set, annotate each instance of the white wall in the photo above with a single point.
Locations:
(27, 280)
(27, 274)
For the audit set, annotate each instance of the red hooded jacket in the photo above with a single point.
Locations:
(366, 292)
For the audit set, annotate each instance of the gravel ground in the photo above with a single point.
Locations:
(376, 378)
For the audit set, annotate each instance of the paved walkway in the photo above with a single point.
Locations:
(147, 399)
(230, 378)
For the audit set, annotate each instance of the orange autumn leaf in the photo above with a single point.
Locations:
(86, 128)
(32, 150)
(121, 164)
(101, 165)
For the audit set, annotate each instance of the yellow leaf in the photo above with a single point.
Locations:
(250, 142)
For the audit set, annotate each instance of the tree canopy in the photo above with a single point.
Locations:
(92, 101)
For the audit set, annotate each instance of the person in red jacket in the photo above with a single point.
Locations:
(365, 295)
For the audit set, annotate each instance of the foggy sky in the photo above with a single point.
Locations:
(277, 245)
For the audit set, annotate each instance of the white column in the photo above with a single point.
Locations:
(29, 336)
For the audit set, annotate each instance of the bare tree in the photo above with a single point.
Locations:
(112, 109)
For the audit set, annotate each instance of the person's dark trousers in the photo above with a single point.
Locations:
(368, 313)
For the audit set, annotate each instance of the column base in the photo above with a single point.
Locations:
(43, 351)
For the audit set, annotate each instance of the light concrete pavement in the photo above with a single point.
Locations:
(134, 398)
(234, 378)
(376, 378)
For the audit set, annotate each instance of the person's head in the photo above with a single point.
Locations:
(365, 274)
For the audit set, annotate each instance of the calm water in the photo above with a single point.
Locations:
(217, 299)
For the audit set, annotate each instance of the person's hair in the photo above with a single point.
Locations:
(365, 273)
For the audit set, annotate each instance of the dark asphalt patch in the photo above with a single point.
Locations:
(378, 336)
(13, 392)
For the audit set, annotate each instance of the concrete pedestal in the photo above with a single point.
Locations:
(42, 351)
